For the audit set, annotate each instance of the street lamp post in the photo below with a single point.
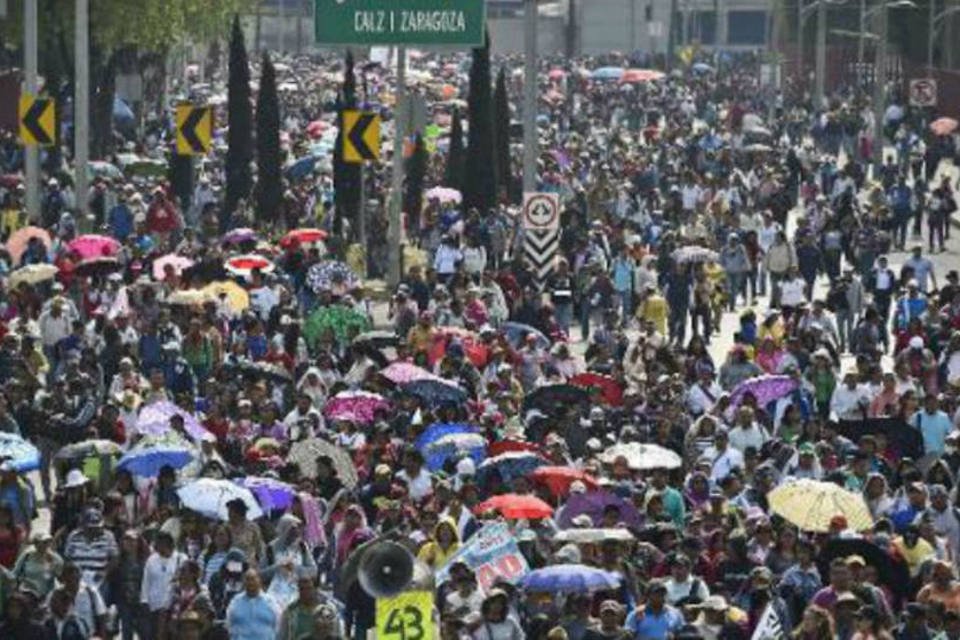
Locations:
(821, 69)
(879, 89)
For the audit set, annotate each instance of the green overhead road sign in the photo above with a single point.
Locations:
(411, 22)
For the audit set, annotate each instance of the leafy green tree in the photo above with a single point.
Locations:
(480, 172)
(239, 122)
(269, 179)
(346, 176)
(416, 171)
(453, 172)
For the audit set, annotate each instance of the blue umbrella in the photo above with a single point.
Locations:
(701, 67)
(301, 168)
(147, 461)
(435, 392)
(438, 430)
(19, 453)
(606, 73)
(122, 113)
(455, 446)
(517, 332)
(570, 578)
(510, 465)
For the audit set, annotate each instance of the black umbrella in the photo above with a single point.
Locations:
(891, 571)
(552, 398)
(906, 438)
(435, 392)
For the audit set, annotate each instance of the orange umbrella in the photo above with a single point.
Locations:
(516, 507)
(637, 76)
(943, 126)
(17, 243)
(448, 92)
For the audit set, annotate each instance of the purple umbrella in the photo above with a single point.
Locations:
(154, 420)
(273, 495)
(765, 389)
(240, 235)
(593, 504)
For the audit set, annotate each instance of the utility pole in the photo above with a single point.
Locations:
(800, 70)
(879, 89)
(931, 35)
(30, 86)
(530, 97)
(821, 71)
(281, 23)
(81, 105)
(395, 232)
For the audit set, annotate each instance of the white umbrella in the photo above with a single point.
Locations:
(209, 498)
(593, 536)
(643, 457)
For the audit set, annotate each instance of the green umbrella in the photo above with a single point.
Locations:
(343, 321)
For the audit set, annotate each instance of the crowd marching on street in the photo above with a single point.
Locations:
(730, 412)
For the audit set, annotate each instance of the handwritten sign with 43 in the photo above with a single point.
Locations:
(406, 616)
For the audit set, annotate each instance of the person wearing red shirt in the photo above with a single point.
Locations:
(162, 217)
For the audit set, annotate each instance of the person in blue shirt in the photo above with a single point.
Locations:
(252, 614)
(120, 217)
(934, 425)
(656, 620)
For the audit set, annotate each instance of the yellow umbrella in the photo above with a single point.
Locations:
(32, 274)
(188, 297)
(811, 505)
(237, 297)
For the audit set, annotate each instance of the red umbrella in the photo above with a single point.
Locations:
(637, 76)
(943, 126)
(302, 236)
(606, 388)
(559, 479)
(516, 507)
(473, 348)
(506, 446)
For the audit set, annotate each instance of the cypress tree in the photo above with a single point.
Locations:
(480, 172)
(269, 181)
(416, 171)
(453, 173)
(346, 177)
(502, 137)
(239, 121)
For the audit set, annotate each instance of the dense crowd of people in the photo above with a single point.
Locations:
(225, 416)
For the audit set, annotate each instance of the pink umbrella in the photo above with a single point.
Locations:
(444, 195)
(404, 372)
(943, 126)
(172, 260)
(556, 74)
(94, 246)
(19, 239)
(355, 406)
(316, 128)
(244, 265)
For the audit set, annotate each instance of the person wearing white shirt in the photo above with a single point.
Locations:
(793, 289)
(415, 475)
(447, 258)
(704, 393)
(724, 457)
(849, 400)
(159, 573)
(683, 588)
(747, 433)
